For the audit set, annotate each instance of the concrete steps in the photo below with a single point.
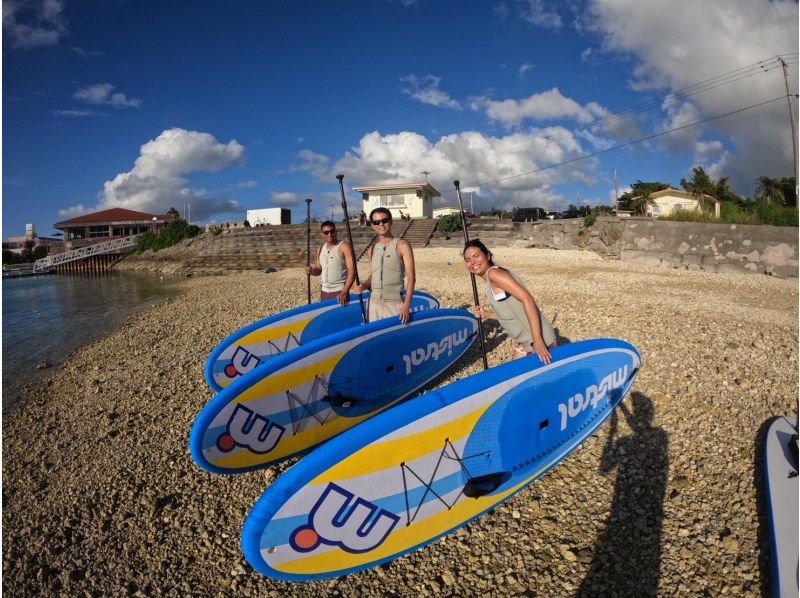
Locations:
(490, 232)
(419, 232)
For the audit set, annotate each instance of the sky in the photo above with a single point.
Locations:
(220, 107)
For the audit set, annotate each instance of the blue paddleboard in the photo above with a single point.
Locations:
(253, 345)
(429, 466)
(782, 486)
(306, 396)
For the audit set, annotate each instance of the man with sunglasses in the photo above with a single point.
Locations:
(336, 265)
(390, 260)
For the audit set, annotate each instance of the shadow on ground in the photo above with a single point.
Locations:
(627, 557)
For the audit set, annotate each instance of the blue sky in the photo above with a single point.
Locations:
(230, 106)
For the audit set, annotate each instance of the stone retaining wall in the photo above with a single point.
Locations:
(769, 250)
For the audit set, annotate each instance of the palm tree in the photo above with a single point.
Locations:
(768, 190)
(640, 203)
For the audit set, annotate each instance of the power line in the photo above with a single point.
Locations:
(757, 68)
(621, 145)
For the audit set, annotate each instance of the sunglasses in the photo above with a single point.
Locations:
(382, 221)
(331, 231)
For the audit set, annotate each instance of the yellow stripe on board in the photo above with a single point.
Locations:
(292, 444)
(272, 333)
(376, 456)
(283, 381)
(401, 539)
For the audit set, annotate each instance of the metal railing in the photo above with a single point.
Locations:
(77, 254)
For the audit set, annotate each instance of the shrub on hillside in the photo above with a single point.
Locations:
(172, 234)
(449, 224)
(747, 213)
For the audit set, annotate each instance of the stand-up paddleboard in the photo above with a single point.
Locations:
(252, 345)
(308, 395)
(427, 467)
(782, 504)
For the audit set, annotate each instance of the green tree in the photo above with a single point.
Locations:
(27, 250)
(641, 202)
(700, 183)
(768, 190)
(637, 189)
(173, 212)
(787, 186)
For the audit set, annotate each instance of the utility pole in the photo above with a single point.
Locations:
(471, 205)
(791, 120)
(616, 195)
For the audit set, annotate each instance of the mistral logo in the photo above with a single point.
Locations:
(338, 520)
(593, 395)
(248, 429)
(242, 362)
(435, 350)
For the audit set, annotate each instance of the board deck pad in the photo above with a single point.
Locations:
(429, 466)
(781, 469)
(255, 344)
(308, 395)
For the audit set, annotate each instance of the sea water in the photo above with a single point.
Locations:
(45, 318)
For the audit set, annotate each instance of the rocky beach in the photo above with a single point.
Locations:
(100, 496)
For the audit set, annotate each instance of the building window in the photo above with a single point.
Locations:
(392, 201)
(98, 231)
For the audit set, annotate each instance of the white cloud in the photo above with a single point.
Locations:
(705, 40)
(537, 12)
(524, 68)
(426, 90)
(317, 165)
(247, 185)
(73, 211)
(587, 54)
(76, 113)
(156, 182)
(286, 198)
(546, 105)
(100, 95)
(33, 23)
(471, 157)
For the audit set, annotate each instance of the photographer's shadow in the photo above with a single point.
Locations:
(628, 553)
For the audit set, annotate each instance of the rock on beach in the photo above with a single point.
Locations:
(100, 496)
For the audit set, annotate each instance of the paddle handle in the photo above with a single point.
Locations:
(340, 178)
(472, 276)
(308, 248)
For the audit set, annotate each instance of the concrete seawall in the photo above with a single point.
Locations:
(771, 250)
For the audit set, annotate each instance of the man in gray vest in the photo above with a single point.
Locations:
(390, 260)
(336, 265)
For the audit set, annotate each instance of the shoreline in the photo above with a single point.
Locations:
(105, 497)
(29, 374)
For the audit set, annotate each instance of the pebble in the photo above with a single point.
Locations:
(104, 499)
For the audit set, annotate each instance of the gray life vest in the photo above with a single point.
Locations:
(511, 314)
(387, 272)
(334, 268)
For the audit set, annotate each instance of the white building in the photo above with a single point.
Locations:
(274, 216)
(669, 201)
(446, 211)
(401, 199)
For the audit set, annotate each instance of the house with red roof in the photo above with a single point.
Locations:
(110, 224)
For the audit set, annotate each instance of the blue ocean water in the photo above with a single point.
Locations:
(45, 318)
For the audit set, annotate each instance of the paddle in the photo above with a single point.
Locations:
(340, 177)
(308, 247)
(472, 276)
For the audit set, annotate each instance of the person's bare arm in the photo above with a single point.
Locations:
(346, 253)
(316, 269)
(501, 279)
(407, 254)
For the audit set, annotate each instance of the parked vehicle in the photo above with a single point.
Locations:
(553, 215)
(570, 214)
(529, 215)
